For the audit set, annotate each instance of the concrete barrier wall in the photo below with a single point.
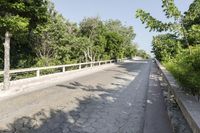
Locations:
(188, 104)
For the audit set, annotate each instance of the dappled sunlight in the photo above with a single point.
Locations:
(149, 102)
(62, 120)
(110, 99)
(80, 106)
(99, 74)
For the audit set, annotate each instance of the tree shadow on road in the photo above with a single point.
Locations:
(77, 85)
(61, 121)
(78, 120)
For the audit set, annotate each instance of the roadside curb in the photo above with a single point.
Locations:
(189, 106)
(177, 120)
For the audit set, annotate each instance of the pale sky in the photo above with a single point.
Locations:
(123, 10)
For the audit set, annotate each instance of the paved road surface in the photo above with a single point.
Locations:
(110, 101)
(156, 118)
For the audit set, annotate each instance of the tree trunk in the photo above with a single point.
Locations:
(85, 54)
(7, 61)
(89, 53)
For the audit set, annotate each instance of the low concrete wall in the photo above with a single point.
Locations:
(189, 106)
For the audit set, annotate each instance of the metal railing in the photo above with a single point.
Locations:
(38, 70)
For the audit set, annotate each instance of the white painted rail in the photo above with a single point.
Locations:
(38, 70)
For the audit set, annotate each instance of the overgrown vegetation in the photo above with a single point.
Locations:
(178, 50)
(186, 69)
(42, 37)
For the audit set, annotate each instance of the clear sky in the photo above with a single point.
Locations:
(124, 10)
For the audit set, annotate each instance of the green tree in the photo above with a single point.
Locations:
(191, 21)
(124, 35)
(171, 11)
(184, 29)
(131, 50)
(143, 54)
(17, 16)
(93, 29)
(61, 34)
(165, 46)
(114, 45)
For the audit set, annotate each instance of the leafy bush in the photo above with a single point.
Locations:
(165, 46)
(42, 62)
(186, 69)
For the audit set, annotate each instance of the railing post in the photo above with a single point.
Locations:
(6, 74)
(79, 66)
(90, 64)
(38, 73)
(110, 61)
(63, 69)
(99, 63)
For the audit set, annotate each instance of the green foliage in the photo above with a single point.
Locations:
(131, 51)
(20, 17)
(171, 11)
(143, 54)
(91, 27)
(191, 22)
(13, 23)
(194, 34)
(151, 22)
(17, 15)
(53, 39)
(45, 61)
(119, 37)
(171, 48)
(109, 37)
(192, 16)
(43, 37)
(114, 45)
(165, 46)
(186, 69)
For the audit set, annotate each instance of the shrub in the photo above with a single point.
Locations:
(186, 69)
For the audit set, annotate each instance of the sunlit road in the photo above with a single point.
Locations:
(112, 100)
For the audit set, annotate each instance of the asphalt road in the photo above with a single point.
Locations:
(112, 100)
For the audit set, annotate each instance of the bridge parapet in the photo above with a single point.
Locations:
(188, 104)
(41, 80)
(38, 69)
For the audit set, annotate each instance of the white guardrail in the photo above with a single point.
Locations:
(63, 67)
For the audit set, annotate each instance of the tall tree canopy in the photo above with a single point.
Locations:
(179, 50)
(42, 37)
(166, 46)
(192, 22)
(185, 26)
(19, 18)
(18, 14)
